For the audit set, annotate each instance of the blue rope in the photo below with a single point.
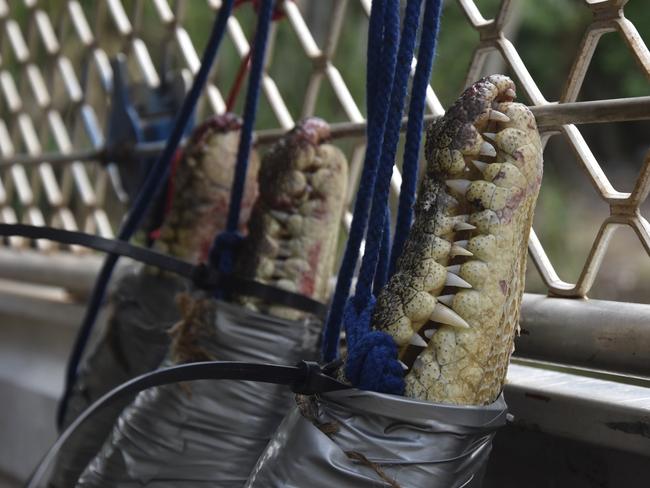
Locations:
(372, 355)
(382, 51)
(224, 245)
(426, 53)
(388, 152)
(155, 178)
(381, 275)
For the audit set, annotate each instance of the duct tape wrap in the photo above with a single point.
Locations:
(366, 439)
(207, 433)
(134, 342)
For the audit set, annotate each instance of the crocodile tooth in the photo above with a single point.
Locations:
(416, 340)
(454, 268)
(487, 149)
(498, 116)
(459, 186)
(446, 299)
(446, 315)
(490, 135)
(459, 248)
(463, 226)
(429, 333)
(403, 365)
(481, 165)
(457, 281)
(418, 363)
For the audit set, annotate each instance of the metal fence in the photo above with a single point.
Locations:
(56, 81)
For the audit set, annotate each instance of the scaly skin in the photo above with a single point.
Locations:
(295, 222)
(453, 304)
(202, 189)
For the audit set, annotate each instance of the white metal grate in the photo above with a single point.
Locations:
(55, 83)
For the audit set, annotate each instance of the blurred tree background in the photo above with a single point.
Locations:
(547, 35)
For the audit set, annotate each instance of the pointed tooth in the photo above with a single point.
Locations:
(481, 165)
(498, 116)
(490, 135)
(418, 363)
(446, 315)
(487, 149)
(459, 249)
(463, 226)
(429, 333)
(462, 243)
(454, 268)
(404, 366)
(457, 281)
(459, 186)
(511, 93)
(416, 340)
(446, 299)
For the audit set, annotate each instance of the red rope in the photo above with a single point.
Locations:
(239, 81)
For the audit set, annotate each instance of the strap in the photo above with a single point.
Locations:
(305, 378)
(155, 178)
(201, 275)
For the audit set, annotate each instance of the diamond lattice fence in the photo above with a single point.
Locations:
(56, 82)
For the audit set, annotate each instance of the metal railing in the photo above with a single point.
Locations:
(56, 81)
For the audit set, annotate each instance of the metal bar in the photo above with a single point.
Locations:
(600, 411)
(596, 334)
(548, 116)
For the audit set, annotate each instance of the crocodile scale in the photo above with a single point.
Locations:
(453, 304)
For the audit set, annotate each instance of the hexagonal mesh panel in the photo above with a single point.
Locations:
(56, 82)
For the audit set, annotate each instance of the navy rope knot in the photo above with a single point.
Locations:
(372, 355)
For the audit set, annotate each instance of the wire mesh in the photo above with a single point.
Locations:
(56, 81)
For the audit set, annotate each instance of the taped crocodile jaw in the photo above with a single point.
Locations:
(453, 304)
(202, 189)
(295, 222)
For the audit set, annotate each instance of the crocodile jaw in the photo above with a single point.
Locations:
(202, 189)
(453, 304)
(295, 221)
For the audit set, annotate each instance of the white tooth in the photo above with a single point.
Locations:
(482, 166)
(487, 149)
(459, 249)
(459, 186)
(418, 363)
(457, 281)
(498, 116)
(404, 366)
(454, 268)
(446, 299)
(463, 226)
(490, 135)
(446, 315)
(416, 340)
(429, 333)
(511, 93)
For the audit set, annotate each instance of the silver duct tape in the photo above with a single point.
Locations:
(206, 433)
(134, 342)
(366, 439)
